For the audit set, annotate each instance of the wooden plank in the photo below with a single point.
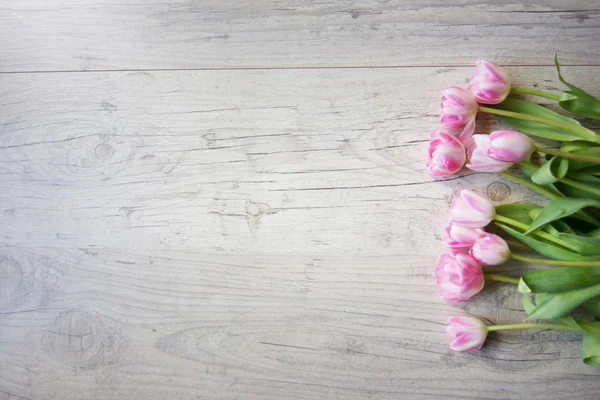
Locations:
(246, 234)
(154, 324)
(237, 161)
(59, 35)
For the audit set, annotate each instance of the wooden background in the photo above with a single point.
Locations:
(227, 199)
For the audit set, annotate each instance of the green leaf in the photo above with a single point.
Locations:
(527, 303)
(591, 182)
(591, 350)
(594, 170)
(518, 211)
(570, 191)
(561, 279)
(594, 234)
(583, 176)
(585, 245)
(551, 229)
(544, 247)
(584, 327)
(556, 228)
(579, 224)
(560, 208)
(582, 148)
(593, 328)
(529, 169)
(583, 104)
(564, 96)
(588, 179)
(560, 226)
(567, 320)
(523, 288)
(593, 307)
(533, 214)
(576, 146)
(591, 149)
(556, 305)
(551, 171)
(536, 128)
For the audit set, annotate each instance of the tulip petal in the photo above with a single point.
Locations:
(468, 333)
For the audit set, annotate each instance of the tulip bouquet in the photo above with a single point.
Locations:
(552, 154)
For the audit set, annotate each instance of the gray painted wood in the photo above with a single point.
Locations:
(248, 234)
(245, 234)
(114, 34)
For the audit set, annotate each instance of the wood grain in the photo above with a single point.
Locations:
(59, 35)
(231, 161)
(227, 199)
(246, 235)
(158, 324)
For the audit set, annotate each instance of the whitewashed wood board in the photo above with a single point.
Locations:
(234, 161)
(62, 35)
(246, 234)
(107, 324)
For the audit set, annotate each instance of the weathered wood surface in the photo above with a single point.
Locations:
(64, 35)
(249, 234)
(245, 233)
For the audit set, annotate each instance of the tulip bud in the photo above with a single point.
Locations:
(490, 83)
(471, 209)
(468, 333)
(460, 237)
(510, 146)
(480, 161)
(458, 276)
(458, 107)
(446, 154)
(490, 249)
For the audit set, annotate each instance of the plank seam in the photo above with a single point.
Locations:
(275, 68)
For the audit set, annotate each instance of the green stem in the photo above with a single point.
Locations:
(559, 327)
(581, 214)
(510, 221)
(542, 234)
(580, 131)
(562, 263)
(501, 278)
(525, 182)
(579, 185)
(572, 156)
(535, 92)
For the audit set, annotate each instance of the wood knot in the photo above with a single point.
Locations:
(254, 213)
(83, 338)
(498, 191)
(104, 151)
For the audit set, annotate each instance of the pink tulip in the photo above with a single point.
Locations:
(471, 209)
(446, 154)
(460, 237)
(480, 161)
(490, 83)
(510, 146)
(468, 333)
(458, 276)
(466, 136)
(458, 107)
(490, 249)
